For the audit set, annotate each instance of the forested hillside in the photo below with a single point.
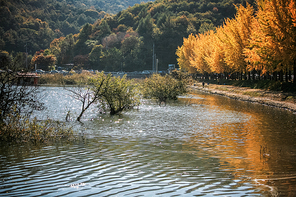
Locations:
(123, 41)
(38, 22)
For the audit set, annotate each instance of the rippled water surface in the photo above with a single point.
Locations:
(201, 145)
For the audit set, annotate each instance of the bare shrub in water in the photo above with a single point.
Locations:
(113, 94)
(17, 95)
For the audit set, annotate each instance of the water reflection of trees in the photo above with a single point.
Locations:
(259, 143)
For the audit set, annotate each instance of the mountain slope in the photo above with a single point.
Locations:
(38, 22)
(125, 40)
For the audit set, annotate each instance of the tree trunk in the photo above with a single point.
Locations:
(113, 111)
(212, 76)
(227, 75)
(275, 76)
(80, 115)
(207, 76)
(281, 76)
(268, 76)
(294, 72)
(253, 76)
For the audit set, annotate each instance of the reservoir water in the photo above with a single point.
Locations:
(200, 145)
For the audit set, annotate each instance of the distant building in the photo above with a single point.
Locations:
(171, 67)
(28, 78)
(66, 66)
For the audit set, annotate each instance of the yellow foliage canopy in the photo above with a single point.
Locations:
(263, 41)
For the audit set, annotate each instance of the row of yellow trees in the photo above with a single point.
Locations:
(263, 40)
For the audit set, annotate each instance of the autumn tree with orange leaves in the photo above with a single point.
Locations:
(264, 41)
(273, 42)
(184, 54)
(234, 36)
(43, 61)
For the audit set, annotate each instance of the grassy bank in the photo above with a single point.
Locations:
(270, 93)
(60, 79)
(257, 84)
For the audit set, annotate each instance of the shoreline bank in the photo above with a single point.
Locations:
(270, 98)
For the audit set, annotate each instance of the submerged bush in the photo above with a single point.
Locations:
(163, 88)
(20, 129)
(115, 94)
(120, 94)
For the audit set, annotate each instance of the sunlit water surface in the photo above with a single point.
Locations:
(201, 145)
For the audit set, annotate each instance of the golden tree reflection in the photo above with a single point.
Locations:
(248, 140)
